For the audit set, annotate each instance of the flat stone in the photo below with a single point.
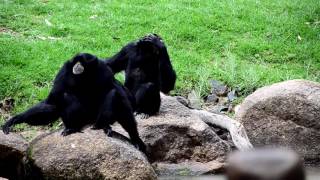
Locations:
(212, 98)
(218, 88)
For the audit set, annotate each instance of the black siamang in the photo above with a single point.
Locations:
(84, 92)
(148, 71)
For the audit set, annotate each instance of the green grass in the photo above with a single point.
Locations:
(243, 43)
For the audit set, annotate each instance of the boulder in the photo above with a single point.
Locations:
(12, 151)
(177, 136)
(87, 155)
(285, 114)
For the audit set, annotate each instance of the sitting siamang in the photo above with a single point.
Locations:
(84, 92)
(148, 71)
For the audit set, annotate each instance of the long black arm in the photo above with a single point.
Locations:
(167, 74)
(45, 112)
(119, 61)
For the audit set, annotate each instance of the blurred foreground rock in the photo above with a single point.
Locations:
(265, 164)
(285, 114)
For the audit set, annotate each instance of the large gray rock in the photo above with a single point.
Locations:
(176, 136)
(12, 151)
(285, 114)
(88, 155)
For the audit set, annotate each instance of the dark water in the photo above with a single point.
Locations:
(311, 175)
(193, 178)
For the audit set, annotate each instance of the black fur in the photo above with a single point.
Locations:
(92, 97)
(148, 71)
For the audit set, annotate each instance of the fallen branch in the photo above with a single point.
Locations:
(236, 129)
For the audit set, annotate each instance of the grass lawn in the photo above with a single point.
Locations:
(243, 43)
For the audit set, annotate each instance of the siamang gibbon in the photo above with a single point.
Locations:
(84, 92)
(148, 71)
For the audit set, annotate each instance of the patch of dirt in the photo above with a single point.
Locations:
(6, 107)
